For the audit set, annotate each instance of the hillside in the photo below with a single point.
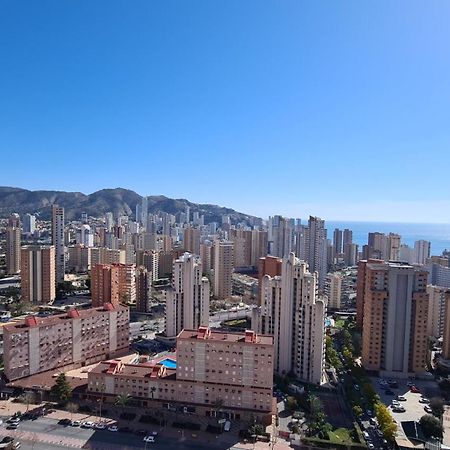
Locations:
(118, 201)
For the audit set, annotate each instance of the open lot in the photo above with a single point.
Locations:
(414, 409)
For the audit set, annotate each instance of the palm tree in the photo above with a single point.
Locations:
(122, 400)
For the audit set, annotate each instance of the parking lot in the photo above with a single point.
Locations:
(414, 410)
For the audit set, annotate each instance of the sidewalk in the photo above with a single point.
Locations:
(8, 408)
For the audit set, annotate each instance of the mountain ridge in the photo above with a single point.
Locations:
(120, 201)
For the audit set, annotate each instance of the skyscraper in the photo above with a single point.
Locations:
(394, 333)
(223, 269)
(37, 271)
(292, 313)
(316, 248)
(337, 242)
(144, 211)
(143, 289)
(187, 301)
(58, 241)
(29, 224)
(333, 290)
(421, 252)
(13, 246)
(191, 240)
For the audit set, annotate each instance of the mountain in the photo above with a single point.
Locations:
(118, 200)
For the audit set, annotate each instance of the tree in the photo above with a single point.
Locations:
(357, 411)
(331, 354)
(256, 429)
(62, 390)
(291, 403)
(437, 406)
(316, 413)
(122, 400)
(431, 426)
(387, 425)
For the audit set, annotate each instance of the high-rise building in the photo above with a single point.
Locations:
(337, 242)
(333, 290)
(144, 211)
(436, 310)
(394, 242)
(446, 335)
(421, 252)
(394, 333)
(29, 223)
(12, 250)
(361, 288)
(73, 339)
(113, 283)
(79, 258)
(187, 301)
(143, 289)
(191, 240)
(316, 248)
(102, 255)
(439, 273)
(292, 313)
(282, 237)
(350, 254)
(58, 241)
(223, 269)
(259, 246)
(37, 271)
(347, 237)
(109, 220)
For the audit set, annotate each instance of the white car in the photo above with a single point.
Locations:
(76, 423)
(428, 409)
(113, 428)
(100, 426)
(401, 398)
(87, 424)
(149, 439)
(227, 425)
(423, 400)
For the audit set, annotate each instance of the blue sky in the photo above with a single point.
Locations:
(339, 109)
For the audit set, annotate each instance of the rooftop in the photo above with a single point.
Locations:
(205, 333)
(34, 321)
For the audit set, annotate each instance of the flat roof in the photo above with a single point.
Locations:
(262, 339)
(35, 321)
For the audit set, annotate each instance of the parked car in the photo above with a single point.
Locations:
(113, 428)
(227, 426)
(428, 409)
(76, 423)
(401, 398)
(423, 400)
(100, 426)
(150, 439)
(65, 422)
(414, 389)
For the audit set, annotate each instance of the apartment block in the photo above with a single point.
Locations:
(394, 332)
(187, 301)
(37, 267)
(58, 241)
(223, 269)
(333, 290)
(79, 258)
(74, 339)
(12, 250)
(113, 283)
(103, 255)
(292, 312)
(436, 310)
(233, 368)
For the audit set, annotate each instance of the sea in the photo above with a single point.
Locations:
(437, 234)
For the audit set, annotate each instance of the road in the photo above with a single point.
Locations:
(45, 433)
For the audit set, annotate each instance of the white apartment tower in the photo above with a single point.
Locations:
(187, 301)
(333, 290)
(291, 311)
(58, 241)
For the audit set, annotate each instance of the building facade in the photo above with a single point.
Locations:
(77, 338)
(58, 241)
(235, 369)
(292, 312)
(394, 332)
(187, 301)
(37, 268)
(223, 269)
(13, 250)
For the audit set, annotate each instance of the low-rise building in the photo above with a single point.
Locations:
(79, 337)
(234, 370)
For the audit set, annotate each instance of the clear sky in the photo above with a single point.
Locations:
(334, 108)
